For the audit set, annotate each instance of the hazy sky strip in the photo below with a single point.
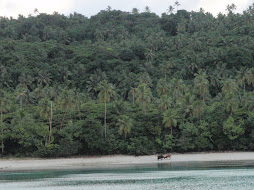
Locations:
(91, 7)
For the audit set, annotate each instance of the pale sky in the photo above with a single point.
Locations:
(91, 7)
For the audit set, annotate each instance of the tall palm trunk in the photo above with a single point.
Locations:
(50, 130)
(50, 122)
(2, 132)
(105, 117)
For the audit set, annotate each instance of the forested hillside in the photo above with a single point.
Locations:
(126, 83)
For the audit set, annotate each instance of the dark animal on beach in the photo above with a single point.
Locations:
(160, 157)
(167, 156)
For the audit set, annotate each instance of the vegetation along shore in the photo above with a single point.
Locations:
(126, 83)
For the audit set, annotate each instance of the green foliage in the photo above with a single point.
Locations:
(231, 129)
(126, 83)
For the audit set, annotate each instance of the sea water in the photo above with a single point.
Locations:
(190, 175)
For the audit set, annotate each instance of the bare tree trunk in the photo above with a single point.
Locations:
(2, 132)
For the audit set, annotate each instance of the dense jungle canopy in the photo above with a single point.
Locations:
(126, 83)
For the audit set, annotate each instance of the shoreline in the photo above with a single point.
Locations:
(112, 161)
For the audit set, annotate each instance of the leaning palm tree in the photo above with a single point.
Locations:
(46, 111)
(125, 124)
(169, 120)
(106, 93)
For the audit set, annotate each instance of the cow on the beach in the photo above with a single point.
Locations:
(160, 157)
(167, 156)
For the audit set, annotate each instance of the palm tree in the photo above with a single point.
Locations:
(44, 78)
(66, 102)
(145, 79)
(94, 80)
(170, 9)
(166, 68)
(125, 124)
(201, 85)
(165, 102)
(251, 76)
(199, 108)
(186, 105)
(242, 78)
(144, 95)
(106, 93)
(177, 4)
(109, 8)
(169, 120)
(162, 87)
(22, 95)
(135, 11)
(133, 92)
(177, 88)
(46, 111)
(229, 90)
(147, 9)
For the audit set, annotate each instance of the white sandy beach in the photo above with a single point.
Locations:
(116, 160)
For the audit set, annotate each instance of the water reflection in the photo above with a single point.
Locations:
(177, 175)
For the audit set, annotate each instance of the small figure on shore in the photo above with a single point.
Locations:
(167, 156)
(160, 157)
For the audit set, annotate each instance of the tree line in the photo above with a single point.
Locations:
(126, 83)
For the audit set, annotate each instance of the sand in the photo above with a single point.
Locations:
(115, 161)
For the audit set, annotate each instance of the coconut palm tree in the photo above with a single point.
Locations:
(46, 111)
(169, 120)
(165, 102)
(106, 92)
(177, 4)
(201, 85)
(170, 9)
(162, 87)
(186, 105)
(66, 103)
(242, 78)
(143, 95)
(133, 92)
(147, 9)
(125, 124)
(229, 91)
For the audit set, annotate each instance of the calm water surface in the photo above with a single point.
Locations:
(191, 175)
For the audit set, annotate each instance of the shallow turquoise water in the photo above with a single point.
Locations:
(192, 175)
